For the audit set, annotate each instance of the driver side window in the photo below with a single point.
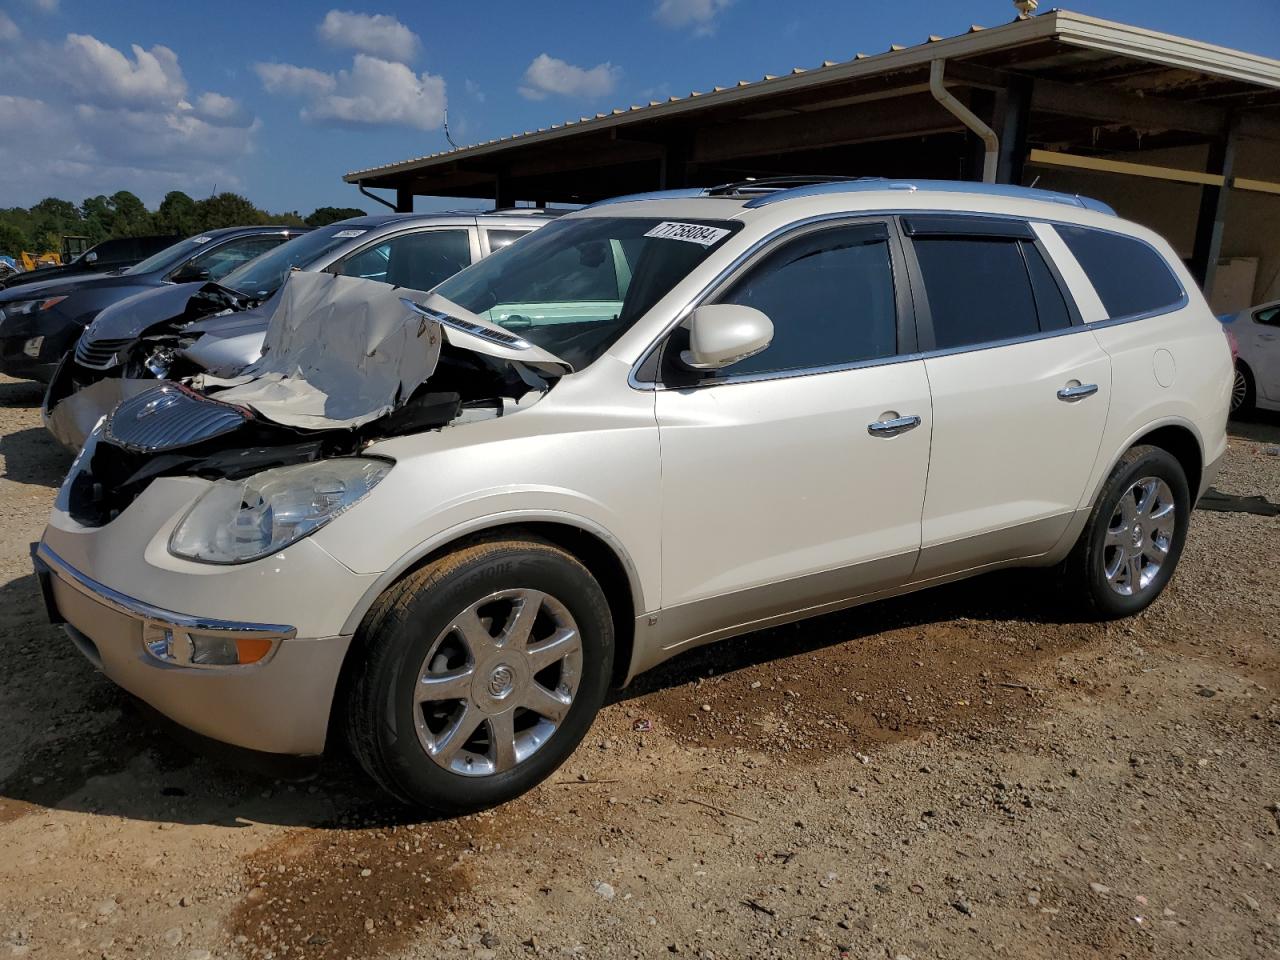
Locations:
(222, 260)
(831, 297)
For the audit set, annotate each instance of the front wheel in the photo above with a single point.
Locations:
(1134, 536)
(482, 671)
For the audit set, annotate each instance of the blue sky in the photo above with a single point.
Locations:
(278, 98)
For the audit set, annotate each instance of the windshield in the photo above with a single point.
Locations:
(169, 256)
(574, 287)
(265, 275)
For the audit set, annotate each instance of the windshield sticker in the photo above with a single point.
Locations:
(344, 234)
(201, 239)
(689, 232)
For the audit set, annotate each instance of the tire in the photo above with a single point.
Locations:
(1243, 391)
(1109, 541)
(427, 629)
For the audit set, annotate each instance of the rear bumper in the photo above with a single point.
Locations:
(278, 705)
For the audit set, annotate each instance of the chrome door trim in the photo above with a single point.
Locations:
(892, 428)
(1077, 393)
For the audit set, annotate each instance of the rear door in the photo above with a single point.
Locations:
(416, 259)
(782, 490)
(1020, 392)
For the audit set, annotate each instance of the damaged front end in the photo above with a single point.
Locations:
(346, 362)
(134, 343)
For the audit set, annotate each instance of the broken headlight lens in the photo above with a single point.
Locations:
(241, 520)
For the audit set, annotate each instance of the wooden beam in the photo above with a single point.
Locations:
(1097, 102)
(865, 123)
(1077, 162)
(1213, 211)
(1258, 186)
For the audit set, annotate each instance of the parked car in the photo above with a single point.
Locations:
(448, 522)
(1257, 378)
(114, 254)
(179, 331)
(40, 322)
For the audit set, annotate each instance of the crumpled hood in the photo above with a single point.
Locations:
(131, 316)
(341, 352)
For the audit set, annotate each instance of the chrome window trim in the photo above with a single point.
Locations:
(140, 610)
(696, 300)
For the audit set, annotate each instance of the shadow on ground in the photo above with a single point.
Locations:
(21, 393)
(32, 457)
(92, 747)
(1261, 425)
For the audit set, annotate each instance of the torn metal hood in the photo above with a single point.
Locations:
(341, 352)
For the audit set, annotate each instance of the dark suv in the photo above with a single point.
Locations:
(114, 254)
(40, 322)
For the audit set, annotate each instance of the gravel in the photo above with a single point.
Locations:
(971, 771)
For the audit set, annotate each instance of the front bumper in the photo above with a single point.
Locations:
(70, 414)
(278, 705)
(59, 337)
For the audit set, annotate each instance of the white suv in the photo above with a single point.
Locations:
(657, 422)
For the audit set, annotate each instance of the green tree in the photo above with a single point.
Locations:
(323, 216)
(12, 240)
(176, 214)
(131, 216)
(227, 210)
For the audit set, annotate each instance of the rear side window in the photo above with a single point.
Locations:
(1270, 317)
(1130, 277)
(978, 288)
(830, 297)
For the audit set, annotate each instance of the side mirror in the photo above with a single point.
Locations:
(721, 334)
(91, 257)
(190, 275)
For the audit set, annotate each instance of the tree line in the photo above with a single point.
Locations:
(41, 227)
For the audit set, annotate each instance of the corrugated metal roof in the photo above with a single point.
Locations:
(1062, 25)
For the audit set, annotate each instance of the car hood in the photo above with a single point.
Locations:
(341, 352)
(60, 286)
(134, 314)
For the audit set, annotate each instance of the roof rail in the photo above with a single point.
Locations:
(868, 184)
(756, 185)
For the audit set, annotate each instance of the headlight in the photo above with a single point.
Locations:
(241, 520)
(25, 308)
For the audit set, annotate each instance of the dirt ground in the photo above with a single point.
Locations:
(963, 773)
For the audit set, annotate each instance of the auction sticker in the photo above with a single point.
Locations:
(689, 232)
(349, 233)
(201, 239)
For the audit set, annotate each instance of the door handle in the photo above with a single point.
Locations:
(891, 428)
(1077, 392)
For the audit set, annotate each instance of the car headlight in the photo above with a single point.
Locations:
(25, 308)
(236, 521)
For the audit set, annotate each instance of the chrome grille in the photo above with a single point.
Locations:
(100, 354)
(169, 417)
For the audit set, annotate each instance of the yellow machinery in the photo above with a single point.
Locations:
(30, 261)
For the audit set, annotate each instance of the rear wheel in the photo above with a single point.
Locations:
(482, 672)
(1133, 539)
(1242, 391)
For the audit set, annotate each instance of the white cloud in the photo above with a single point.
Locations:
(45, 6)
(374, 91)
(286, 78)
(101, 121)
(699, 14)
(547, 75)
(474, 91)
(378, 34)
(8, 29)
(380, 92)
(101, 73)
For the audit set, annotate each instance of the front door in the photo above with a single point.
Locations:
(1020, 393)
(783, 488)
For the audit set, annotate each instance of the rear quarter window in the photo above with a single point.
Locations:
(1129, 276)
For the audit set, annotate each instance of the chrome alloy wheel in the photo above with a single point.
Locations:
(498, 682)
(1139, 536)
(1239, 390)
